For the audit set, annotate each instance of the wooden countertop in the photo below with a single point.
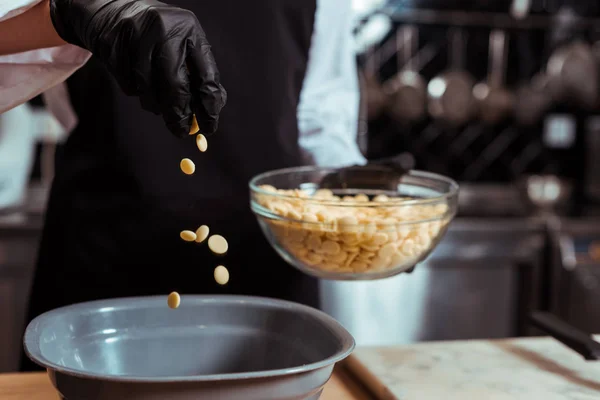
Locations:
(37, 386)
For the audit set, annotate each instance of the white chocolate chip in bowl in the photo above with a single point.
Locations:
(346, 233)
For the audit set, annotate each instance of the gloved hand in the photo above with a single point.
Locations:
(155, 51)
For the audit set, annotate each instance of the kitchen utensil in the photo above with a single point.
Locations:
(225, 347)
(370, 27)
(545, 193)
(375, 97)
(519, 9)
(450, 94)
(333, 238)
(407, 91)
(494, 101)
(570, 336)
(592, 161)
(532, 100)
(596, 55)
(573, 75)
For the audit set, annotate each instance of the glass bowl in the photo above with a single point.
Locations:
(364, 226)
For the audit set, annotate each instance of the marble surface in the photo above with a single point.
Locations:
(525, 368)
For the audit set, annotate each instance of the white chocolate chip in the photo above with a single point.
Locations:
(202, 233)
(387, 251)
(313, 242)
(268, 188)
(221, 275)
(361, 198)
(187, 166)
(331, 248)
(188, 236)
(379, 239)
(201, 142)
(194, 128)
(174, 300)
(314, 258)
(359, 266)
(309, 217)
(369, 247)
(323, 194)
(381, 198)
(347, 220)
(408, 247)
(217, 244)
(357, 236)
(294, 214)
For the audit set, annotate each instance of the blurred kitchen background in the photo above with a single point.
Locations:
(524, 144)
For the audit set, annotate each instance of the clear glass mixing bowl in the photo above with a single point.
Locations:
(382, 226)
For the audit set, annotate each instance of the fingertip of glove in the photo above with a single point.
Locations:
(207, 125)
(209, 128)
(182, 128)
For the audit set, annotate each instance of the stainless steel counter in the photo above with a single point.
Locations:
(470, 287)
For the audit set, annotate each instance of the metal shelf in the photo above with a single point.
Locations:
(485, 19)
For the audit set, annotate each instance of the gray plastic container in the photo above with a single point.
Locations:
(211, 347)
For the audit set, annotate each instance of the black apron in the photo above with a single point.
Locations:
(119, 199)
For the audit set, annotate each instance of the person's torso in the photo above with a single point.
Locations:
(119, 189)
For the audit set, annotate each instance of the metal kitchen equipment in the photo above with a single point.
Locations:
(475, 272)
(572, 305)
(450, 94)
(501, 152)
(532, 100)
(545, 194)
(574, 280)
(488, 263)
(374, 95)
(482, 19)
(407, 90)
(592, 161)
(579, 341)
(494, 101)
(226, 347)
(573, 75)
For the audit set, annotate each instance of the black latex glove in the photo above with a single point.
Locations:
(155, 51)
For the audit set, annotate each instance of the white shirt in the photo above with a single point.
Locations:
(329, 101)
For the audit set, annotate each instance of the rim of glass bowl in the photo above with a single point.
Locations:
(266, 213)
(452, 192)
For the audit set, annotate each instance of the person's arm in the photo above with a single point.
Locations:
(329, 103)
(30, 30)
(154, 50)
(26, 74)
